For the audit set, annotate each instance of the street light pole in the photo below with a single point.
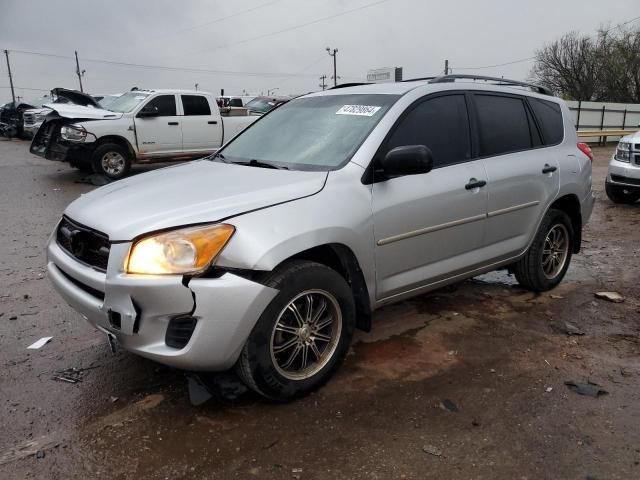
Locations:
(78, 72)
(332, 53)
(13, 94)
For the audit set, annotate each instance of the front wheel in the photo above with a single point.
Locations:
(303, 335)
(546, 261)
(111, 160)
(620, 194)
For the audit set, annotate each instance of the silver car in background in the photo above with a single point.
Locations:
(267, 255)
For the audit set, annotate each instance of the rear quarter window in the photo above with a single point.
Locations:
(503, 124)
(549, 118)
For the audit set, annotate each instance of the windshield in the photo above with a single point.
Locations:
(107, 101)
(261, 105)
(314, 133)
(40, 101)
(127, 102)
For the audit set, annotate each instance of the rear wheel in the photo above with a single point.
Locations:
(546, 261)
(303, 335)
(620, 194)
(111, 160)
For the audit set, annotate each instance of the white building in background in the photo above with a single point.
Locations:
(385, 75)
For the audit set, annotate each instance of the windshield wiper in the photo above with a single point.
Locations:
(258, 163)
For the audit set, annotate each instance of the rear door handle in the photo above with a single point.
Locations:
(212, 122)
(549, 168)
(473, 183)
(173, 123)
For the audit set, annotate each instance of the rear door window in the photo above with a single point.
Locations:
(440, 123)
(549, 118)
(502, 124)
(166, 105)
(195, 105)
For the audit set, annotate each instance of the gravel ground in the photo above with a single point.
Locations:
(465, 382)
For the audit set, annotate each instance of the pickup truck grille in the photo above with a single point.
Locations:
(85, 245)
(29, 118)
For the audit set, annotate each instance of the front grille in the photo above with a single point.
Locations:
(29, 118)
(82, 286)
(179, 331)
(628, 181)
(83, 244)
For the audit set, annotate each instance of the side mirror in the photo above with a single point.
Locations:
(407, 160)
(148, 111)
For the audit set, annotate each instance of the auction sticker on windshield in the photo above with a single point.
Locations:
(360, 110)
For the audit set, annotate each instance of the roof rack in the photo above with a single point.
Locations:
(418, 79)
(354, 84)
(499, 81)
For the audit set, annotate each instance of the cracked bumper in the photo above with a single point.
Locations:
(226, 308)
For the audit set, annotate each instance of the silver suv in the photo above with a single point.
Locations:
(267, 255)
(623, 178)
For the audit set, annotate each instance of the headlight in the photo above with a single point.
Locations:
(623, 152)
(73, 133)
(40, 117)
(188, 250)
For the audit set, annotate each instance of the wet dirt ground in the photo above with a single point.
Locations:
(466, 382)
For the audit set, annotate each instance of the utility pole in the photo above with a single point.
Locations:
(196, 87)
(332, 53)
(446, 67)
(13, 94)
(323, 85)
(78, 72)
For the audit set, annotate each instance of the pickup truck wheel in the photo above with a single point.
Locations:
(111, 160)
(303, 335)
(546, 261)
(618, 194)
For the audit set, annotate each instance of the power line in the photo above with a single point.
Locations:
(295, 27)
(26, 88)
(166, 67)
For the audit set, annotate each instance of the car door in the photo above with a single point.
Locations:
(522, 175)
(428, 226)
(201, 124)
(157, 125)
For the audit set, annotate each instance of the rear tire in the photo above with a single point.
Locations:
(111, 160)
(310, 295)
(545, 263)
(619, 194)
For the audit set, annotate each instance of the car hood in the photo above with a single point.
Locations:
(197, 192)
(78, 112)
(633, 137)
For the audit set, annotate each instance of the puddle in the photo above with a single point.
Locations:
(497, 277)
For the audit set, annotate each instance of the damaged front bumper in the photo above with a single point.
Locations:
(212, 317)
(48, 144)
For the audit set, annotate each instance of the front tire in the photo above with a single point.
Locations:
(302, 337)
(111, 160)
(619, 194)
(545, 263)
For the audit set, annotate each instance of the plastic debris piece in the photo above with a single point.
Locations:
(589, 389)
(614, 297)
(39, 344)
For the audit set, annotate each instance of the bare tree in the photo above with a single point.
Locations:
(569, 66)
(604, 68)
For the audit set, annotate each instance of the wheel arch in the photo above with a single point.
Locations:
(341, 258)
(118, 140)
(570, 205)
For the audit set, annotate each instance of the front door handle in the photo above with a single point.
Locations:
(173, 123)
(212, 122)
(473, 183)
(549, 168)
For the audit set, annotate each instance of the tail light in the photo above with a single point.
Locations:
(586, 149)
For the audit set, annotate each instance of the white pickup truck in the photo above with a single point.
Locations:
(141, 126)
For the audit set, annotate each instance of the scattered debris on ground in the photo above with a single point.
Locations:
(432, 450)
(566, 327)
(39, 344)
(70, 375)
(589, 389)
(447, 404)
(614, 297)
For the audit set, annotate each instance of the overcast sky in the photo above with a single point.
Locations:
(269, 44)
